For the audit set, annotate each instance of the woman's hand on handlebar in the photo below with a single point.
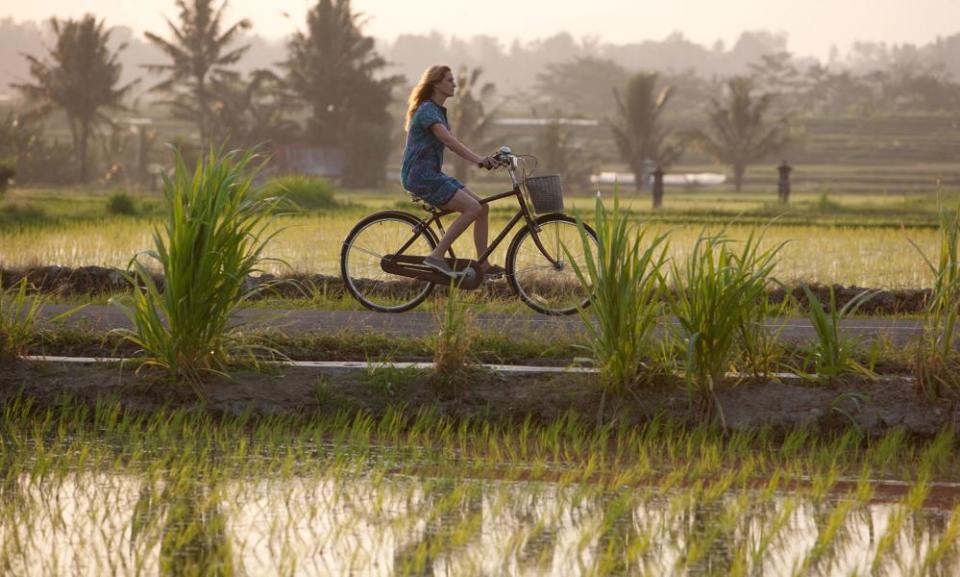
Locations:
(490, 162)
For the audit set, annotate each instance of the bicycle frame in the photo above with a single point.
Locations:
(523, 213)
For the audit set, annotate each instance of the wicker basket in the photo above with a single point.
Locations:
(545, 193)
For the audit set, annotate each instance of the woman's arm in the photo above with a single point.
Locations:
(451, 142)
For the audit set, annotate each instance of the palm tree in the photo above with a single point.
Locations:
(638, 133)
(199, 53)
(80, 78)
(469, 118)
(740, 135)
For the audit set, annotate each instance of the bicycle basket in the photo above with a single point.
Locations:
(545, 193)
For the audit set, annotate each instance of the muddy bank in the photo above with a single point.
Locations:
(874, 407)
(94, 280)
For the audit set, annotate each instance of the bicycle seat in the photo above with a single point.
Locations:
(424, 204)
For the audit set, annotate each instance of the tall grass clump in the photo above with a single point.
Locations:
(213, 238)
(938, 364)
(833, 354)
(625, 279)
(715, 293)
(451, 356)
(19, 313)
(306, 192)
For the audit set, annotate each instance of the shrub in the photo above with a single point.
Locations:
(213, 239)
(625, 280)
(307, 192)
(121, 203)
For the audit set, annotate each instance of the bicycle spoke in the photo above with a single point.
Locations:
(369, 252)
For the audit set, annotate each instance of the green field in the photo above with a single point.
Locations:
(850, 239)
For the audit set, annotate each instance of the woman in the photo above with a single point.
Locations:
(428, 133)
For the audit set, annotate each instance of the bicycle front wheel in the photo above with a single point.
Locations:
(374, 237)
(547, 282)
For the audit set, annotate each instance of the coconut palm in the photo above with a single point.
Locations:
(469, 118)
(80, 77)
(638, 131)
(199, 52)
(740, 135)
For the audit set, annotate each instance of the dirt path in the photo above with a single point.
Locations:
(421, 323)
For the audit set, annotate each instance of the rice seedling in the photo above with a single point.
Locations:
(19, 312)
(106, 490)
(938, 362)
(714, 294)
(625, 279)
(213, 238)
(833, 354)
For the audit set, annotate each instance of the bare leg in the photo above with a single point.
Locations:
(480, 227)
(469, 210)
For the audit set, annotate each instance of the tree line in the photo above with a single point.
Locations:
(333, 89)
(332, 75)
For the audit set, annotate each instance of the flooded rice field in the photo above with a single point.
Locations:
(101, 491)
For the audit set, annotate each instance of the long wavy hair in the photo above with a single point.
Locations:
(424, 90)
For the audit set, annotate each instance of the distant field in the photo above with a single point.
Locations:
(846, 239)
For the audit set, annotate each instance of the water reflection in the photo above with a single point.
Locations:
(378, 524)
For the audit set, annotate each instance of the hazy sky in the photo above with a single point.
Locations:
(813, 25)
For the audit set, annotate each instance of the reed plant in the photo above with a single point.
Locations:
(833, 354)
(938, 363)
(212, 239)
(714, 294)
(625, 279)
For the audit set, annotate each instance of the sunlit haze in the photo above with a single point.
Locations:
(813, 26)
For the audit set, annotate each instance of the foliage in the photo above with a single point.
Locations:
(19, 313)
(714, 294)
(307, 192)
(557, 151)
(833, 354)
(638, 130)
(35, 159)
(470, 119)
(739, 134)
(121, 203)
(625, 280)
(451, 356)
(335, 70)
(213, 238)
(253, 111)
(200, 54)
(938, 362)
(80, 78)
(582, 86)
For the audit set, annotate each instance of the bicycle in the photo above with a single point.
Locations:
(381, 260)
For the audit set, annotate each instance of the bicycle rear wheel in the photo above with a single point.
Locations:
(374, 237)
(547, 287)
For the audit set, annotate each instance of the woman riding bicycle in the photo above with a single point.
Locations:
(428, 133)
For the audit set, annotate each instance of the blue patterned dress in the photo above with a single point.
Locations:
(423, 158)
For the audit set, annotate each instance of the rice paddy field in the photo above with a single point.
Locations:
(151, 484)
(861, 240)
(106, 491)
